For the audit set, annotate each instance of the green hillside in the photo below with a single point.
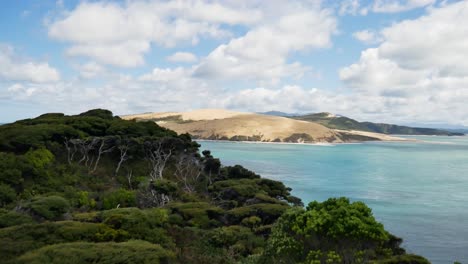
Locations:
(93, 188)
(345, 123)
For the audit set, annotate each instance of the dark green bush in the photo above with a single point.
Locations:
(7, 194)
(120, 197)
(12, 218)
(198, 214)
(405, 259)
(140, 224)
(49, 207)
(84, 252)
(268, 213)
(16, 240)
(239, 240)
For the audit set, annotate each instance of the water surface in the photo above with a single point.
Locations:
(419, 190)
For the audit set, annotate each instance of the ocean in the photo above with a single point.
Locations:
(418, 190)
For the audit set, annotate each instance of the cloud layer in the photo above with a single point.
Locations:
(414, 70)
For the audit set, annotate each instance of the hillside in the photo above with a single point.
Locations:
(93, 188)
(239, 126)
(345, 123)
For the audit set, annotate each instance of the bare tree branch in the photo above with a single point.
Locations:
(187, 172)
(129, 179)
(123, 156)
(158, 157)
(102, 150)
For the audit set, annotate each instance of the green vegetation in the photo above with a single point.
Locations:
(345, 123)
(94, 188)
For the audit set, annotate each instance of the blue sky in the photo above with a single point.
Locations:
(400, 61)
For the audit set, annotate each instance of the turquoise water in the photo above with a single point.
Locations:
(419, 190)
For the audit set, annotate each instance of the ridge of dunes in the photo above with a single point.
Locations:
(223, 124)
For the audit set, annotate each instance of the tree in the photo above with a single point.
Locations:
(103, 148)
(123, 148)
(212, 165)
(187, 172)
(334, 231)
(157, 155)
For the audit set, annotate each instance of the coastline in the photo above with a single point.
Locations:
(323, 144)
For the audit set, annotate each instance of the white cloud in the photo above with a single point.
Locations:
(418, 69)
(367, 36)
(91, 70)
(262, 53)
(123, 54)
(352, 7)
(360, 7)
(422, 61)
(120, 34)
(182, 57)
(395, 6)
(13, 68)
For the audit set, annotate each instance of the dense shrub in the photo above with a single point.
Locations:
(268, 213)
(7, 194)
(335, 231)
(405, 259)
(19, 239)
(119, 198)
(49, 207)
(12, 218)
(198, 214)
(84, 252)
(139, 224)
(237, 239)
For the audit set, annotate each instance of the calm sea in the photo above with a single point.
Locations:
(419, 190)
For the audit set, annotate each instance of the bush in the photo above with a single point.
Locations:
(335, 230)
(268, 213)
(49, 207)
(406, 259)
(140, 224)
(237, 239)
(84, 252)
(7, 195)
(121, 198)
(12, 218)
(198, 214)
(83, 200)
(17, 240)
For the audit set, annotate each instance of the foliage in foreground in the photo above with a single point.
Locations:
(95, 188)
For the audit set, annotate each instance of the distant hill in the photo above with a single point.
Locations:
(458, 130)
(220, 124)
(344, 123)
(277, 113)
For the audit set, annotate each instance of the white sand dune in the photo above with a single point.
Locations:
(196, 115)
(243, 126)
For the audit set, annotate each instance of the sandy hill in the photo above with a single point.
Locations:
(241, 126)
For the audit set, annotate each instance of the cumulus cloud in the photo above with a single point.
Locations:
(182, 57)
(367, 36)
(121, 34)
(13, 68)
(394, 6)
(90, 70)
(262, 53)
(359, 7)
(422, 61)
(417, 70)
(352, 7)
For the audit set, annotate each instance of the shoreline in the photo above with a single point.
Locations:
(323, 144)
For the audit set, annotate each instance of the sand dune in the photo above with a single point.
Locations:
(229, 125)
(196, 115)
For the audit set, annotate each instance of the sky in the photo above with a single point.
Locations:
(396, 61)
